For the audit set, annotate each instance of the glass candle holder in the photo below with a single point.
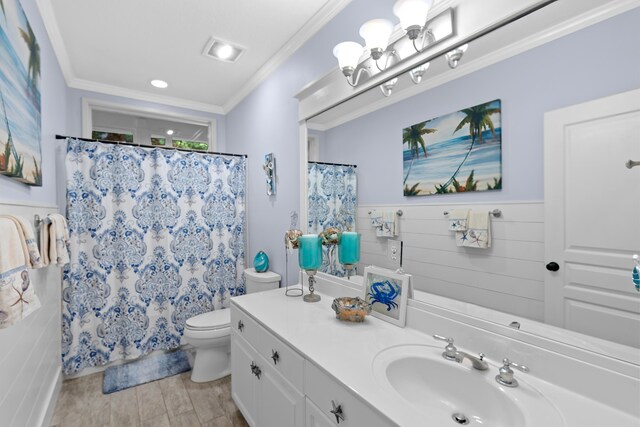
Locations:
(349, 250)
(310, 260)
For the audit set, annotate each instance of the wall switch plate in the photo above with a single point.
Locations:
(394, 252)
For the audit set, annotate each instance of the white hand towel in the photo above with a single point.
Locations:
(389, 224)
(44, 242)
(17, 295)
(58, 240)
(28, 241)
(458, 219)
(376, 218)
(478, 233)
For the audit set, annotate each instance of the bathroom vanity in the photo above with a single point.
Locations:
(295, 364)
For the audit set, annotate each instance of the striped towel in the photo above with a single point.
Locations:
(17, 294)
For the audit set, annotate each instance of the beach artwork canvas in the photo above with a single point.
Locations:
(459, 152)
(20, 152)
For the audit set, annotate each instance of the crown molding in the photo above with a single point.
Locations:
(92, 86)
(311, 27)
(51, 26)
(549, 34)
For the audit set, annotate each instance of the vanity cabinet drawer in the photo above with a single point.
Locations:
(328, 395)
(245, 326)
(281, 357)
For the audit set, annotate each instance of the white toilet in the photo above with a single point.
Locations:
(210, 333)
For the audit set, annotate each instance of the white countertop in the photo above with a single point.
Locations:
(346, 351)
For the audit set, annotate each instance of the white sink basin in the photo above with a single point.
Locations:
(441, 389)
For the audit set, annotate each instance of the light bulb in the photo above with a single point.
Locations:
(161, 84)
(376, 33)
(225, 51)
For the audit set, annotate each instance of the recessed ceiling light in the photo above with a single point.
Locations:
(170, 132)
(222, 50)
(225, 51)
(159, 84)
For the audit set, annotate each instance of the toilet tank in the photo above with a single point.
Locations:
(258, 282)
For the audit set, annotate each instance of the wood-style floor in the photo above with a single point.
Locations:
(171, 402)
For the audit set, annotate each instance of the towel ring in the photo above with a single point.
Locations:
(496, 213)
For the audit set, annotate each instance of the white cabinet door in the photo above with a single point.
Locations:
(315, 417)
(244, 388)
(592, 217)
(279, 404)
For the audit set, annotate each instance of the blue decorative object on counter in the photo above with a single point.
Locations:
(635, 275)
(261, 262)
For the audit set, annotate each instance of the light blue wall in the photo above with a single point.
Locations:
(585, 65)
(266, 121)
(53, 92)
(580, 67)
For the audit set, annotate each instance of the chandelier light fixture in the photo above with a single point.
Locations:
(418, 30)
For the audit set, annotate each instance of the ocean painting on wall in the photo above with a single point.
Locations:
(20, 152)
(456, 153)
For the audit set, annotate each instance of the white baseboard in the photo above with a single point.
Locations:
(54, 393)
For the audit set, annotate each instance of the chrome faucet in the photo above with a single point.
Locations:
(505, 373)
(452, 353)
(477, 362)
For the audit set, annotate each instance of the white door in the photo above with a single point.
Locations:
(592, 217)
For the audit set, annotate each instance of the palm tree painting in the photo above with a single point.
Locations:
(20, 125)
(464, 152)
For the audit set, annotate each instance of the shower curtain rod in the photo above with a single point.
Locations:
(333, 164)
(151, 146)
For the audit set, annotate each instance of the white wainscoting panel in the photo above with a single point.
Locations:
(508, 277)
(30, 367)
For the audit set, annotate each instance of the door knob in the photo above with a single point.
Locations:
(553, 266)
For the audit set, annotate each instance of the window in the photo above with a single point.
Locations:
(146, 126)
(158, 140)
(112, 136)
(190, 145)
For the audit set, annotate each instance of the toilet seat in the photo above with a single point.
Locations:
(210, 321)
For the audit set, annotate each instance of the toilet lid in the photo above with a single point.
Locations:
(211, 320)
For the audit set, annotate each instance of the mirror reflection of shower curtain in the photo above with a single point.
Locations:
(332, 202)
(156, 237)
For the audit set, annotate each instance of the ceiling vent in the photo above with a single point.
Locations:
(222, 50)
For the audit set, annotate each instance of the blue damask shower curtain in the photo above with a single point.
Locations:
(156, 236)
(332, 203)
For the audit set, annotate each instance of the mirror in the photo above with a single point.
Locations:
(510, 275)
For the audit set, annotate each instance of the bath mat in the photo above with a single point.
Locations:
(131, 374)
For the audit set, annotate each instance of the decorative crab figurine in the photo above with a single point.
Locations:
(384, 293)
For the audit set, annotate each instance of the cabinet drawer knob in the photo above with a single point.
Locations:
(240, 325)
(337, 412)
(255, 370)
(275, 356)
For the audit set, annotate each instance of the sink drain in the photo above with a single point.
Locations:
(460, 419)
